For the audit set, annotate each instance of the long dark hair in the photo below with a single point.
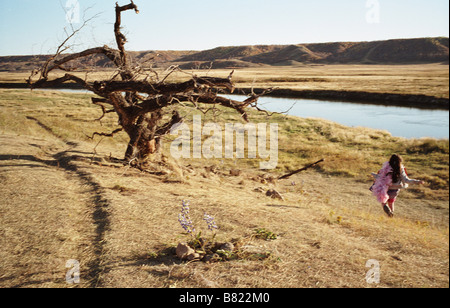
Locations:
(396, 164)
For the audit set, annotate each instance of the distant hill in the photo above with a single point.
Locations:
(398, 51)
(382, 52)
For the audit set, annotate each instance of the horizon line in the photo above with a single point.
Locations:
(248, 45)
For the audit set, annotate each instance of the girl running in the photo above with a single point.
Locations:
(389, 181)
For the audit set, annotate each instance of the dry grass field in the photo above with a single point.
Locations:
(422, 79)
(64, 196)
(425, 79)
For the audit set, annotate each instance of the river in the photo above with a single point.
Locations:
(404, 122)
(399, 121)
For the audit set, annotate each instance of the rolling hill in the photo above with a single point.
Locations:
(422, 50)
(398, 51)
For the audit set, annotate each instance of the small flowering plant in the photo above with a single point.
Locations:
(207, 249)
(185, 220)
(186, 223)
(210, 222)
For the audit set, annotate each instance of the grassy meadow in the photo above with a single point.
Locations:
(65, 196)
(421, 79)
(424, 79)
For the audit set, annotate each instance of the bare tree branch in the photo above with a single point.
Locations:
(162, 88)
(121, 39)
(301, 170)
(106, 134)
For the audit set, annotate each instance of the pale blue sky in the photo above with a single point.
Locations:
(37, 27)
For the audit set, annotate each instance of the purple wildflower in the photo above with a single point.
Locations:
(210, 221)
(185, 220)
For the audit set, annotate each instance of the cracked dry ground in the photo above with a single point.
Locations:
(60, 202)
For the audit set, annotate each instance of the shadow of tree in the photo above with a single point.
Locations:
(65, 160)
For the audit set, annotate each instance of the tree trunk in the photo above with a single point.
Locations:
(143, 139)
(139, 153)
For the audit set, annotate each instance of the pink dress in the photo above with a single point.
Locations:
(382, 183)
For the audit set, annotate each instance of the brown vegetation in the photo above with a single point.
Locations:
(65, 196)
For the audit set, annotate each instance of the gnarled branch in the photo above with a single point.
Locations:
(121, 39)
(106, 134)
(162, 88)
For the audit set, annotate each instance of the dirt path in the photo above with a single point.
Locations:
(51, 213)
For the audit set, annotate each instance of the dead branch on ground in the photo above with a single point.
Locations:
(300, 170)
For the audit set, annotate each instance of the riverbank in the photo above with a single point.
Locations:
(415, 85)
(400, 121)
(386, 99)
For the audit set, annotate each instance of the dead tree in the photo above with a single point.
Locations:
(140, 103)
